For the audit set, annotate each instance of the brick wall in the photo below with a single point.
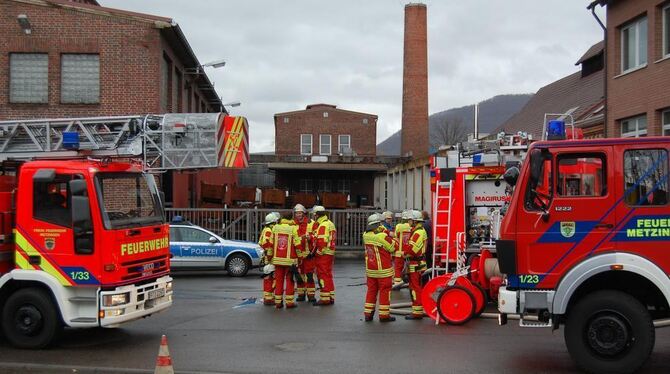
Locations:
(644, 91)
(338, 122)
(415, 83)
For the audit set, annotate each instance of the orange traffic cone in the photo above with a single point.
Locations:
(164, 361)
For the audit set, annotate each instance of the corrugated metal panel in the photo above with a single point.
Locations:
(80, 79)
(29, 78)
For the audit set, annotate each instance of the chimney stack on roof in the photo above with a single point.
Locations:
(414, 130)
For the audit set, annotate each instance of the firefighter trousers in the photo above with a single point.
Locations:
(324, 270)
(307, 268)
(268, 288)
(381, 286)
(398, 266)
(283, 274)
(415, 291)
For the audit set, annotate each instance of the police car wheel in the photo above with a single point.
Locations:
(609, 331)
(30, 319)
(237, 265)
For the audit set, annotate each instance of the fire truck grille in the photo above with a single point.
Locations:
(145, 267)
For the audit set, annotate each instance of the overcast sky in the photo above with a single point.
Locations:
(284, 54)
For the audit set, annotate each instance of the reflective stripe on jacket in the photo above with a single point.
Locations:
(326, 235)
(265, 242)
(286, 244)
(378, 254)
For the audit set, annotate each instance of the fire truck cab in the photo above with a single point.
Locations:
(84, 244)
(582, 245)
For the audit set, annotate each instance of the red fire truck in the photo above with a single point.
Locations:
(83, 239)
(582, 245)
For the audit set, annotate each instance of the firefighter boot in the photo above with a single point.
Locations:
(414, 317)
(300, 298)
(368, 318)
(322, 302)
(387, 319)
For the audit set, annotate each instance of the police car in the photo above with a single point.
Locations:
(193, 247)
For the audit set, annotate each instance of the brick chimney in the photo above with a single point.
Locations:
(415, 83)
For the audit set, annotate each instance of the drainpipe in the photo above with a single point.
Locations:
(592, 8)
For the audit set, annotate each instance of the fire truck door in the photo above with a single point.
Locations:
(573, 214)
(644, 223)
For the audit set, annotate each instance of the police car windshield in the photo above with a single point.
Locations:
(128, 199)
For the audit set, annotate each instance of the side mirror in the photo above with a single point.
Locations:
(82, 225)
(536, 161)
(213, 240)
(161, 196)
(511, 175)
(78, 187)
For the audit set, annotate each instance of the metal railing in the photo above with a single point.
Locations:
(247, 224)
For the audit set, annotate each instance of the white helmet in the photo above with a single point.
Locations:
(271, 218)
(387, 214)
(299, 208)
(269, 268)
(417, 216)
(373, 219)
(406, 214)
(318, 208)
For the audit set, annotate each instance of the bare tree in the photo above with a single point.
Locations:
(449, 132)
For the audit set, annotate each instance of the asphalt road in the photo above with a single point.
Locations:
(212, 329)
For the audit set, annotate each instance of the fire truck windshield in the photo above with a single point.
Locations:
(128, 199)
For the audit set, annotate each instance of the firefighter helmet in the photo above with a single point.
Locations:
(299, 208)
(318, 208)
(374, 219)
(417, 216)
(268, 269)
(271, 218)
(388, 214)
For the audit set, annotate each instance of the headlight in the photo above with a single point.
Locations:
(168, 286)
(117, 299)
(113, 312)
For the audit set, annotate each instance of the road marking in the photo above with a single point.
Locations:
(88, 369)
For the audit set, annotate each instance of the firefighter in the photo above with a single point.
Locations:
(265, 242)
(306, 266)
(287, 248)
(401, 239)
(415, 255)
(378, 269)
(324, 255)
(388, 222)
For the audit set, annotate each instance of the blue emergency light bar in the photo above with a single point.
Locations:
(71, 140)
(556, 130)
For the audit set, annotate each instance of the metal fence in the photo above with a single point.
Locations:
(246, 224)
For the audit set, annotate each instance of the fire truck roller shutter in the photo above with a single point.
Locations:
(601, 263)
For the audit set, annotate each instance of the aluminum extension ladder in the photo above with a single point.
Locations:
(164, 141)
(443, 197)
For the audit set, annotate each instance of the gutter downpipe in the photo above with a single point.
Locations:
(592, 7)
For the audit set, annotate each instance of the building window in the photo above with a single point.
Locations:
(80, 79)
(645, 172)
(344, 144)
(285, 119)
(325, 114)
(365, 121)
(666, 31)
(305, 144)
(665, 117)
(306, 185)
(324, 144)
(344, 186)
(325, 185)
(29, 78)
(634, 45)
(635, 127)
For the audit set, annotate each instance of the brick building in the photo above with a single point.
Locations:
(326, 149)
(78, 59)
(638, 67)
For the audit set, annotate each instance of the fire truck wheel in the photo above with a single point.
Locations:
(456, 305)
(30, 319)
(238, 265)
(610, 332)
